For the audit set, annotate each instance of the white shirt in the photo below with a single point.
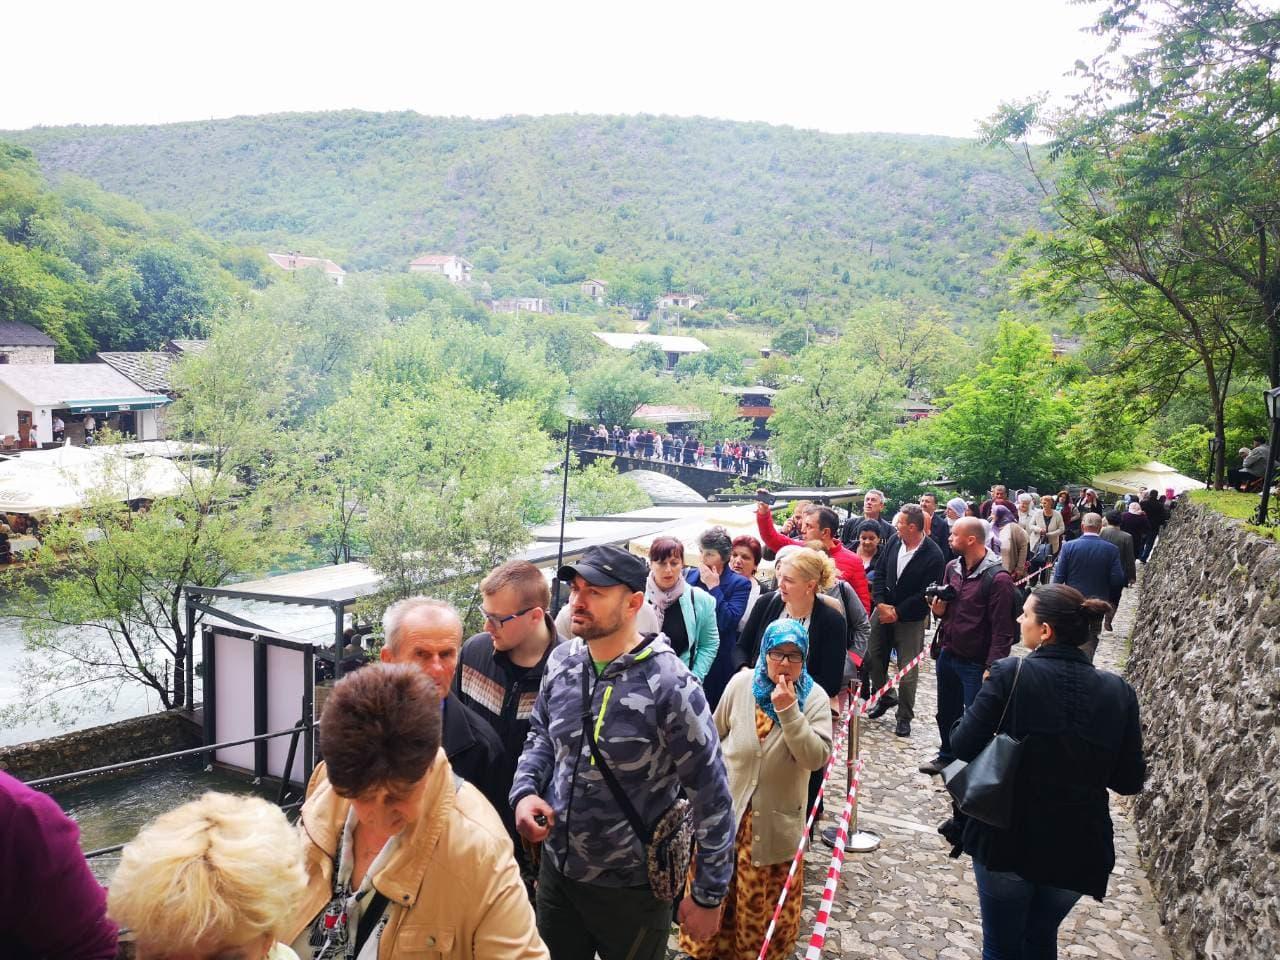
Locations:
(905, 554)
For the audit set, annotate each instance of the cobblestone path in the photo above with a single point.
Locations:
(908, 900)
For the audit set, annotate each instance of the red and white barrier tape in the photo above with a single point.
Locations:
(840, 738)
(819, 938)
(897, 678)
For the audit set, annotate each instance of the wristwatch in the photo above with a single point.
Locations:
(705, 906)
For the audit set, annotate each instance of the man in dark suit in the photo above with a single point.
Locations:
(1112, 533)
(1092, 566)
(936, 527)
(907, 564)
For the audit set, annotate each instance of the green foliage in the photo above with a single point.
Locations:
(827, 420)
(598, 490)
(791, 338)
(649, 356)
(101, 606)
(614, 389)
(1239, 506)
(722, 363)
(767, 222)
(95, 271)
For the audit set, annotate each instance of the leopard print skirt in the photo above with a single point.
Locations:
(748, 907)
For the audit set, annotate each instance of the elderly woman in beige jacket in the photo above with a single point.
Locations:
(775, 728)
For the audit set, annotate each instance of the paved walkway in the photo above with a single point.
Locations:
(908, 900)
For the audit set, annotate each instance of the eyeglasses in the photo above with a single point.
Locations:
(778, 656)
(494, 620)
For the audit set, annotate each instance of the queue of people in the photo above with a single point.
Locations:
(734, 456)
(569, 787)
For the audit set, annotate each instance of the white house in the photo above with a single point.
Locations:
(454, 268)
(521, 305)
(20, 343)
(686, 301)
(34, 393)
(294, 261)
(673, 347)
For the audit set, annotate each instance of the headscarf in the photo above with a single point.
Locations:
(1001, 517)
(957, 506)
(660, 599)
(1135, 507)
(779, 632)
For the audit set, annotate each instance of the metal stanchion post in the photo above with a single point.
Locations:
(857, 841)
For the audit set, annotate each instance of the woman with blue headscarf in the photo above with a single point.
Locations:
(775, 728)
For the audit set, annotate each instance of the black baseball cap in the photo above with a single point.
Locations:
(607, 566)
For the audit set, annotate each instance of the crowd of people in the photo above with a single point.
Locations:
(734, 456)
(535, 790)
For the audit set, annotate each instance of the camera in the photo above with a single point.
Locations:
(945, 592)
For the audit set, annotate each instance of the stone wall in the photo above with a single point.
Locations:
(146, 736)
(1206, 666)
(28, 354)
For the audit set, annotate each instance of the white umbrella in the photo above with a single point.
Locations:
(1153, 475)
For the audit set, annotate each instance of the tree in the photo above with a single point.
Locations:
(917, 345)
(825, 423)
(102, 605)
(599, 489)
(791, 338)
(613, 390)
(647, 355)
(1004, 422)
(1162, 173)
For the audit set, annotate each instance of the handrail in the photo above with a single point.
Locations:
(208, 748)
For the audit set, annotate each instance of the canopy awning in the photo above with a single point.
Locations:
(1153, 475)
(122, 405)
(43, 482)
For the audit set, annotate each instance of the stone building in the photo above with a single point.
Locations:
(20, 343)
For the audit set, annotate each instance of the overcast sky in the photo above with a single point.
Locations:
(915, 66)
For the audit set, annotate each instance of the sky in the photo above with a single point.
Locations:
(842, 66)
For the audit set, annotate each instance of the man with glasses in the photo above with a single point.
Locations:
(501, 668)
(427, 634)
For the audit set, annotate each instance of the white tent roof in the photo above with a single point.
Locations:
(628, 341)
(66, 477)
(1153, 475)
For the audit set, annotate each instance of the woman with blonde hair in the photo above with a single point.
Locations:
(803, 573)
(214, 879)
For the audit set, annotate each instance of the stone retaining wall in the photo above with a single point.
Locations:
(133, 739)
(1206, 666)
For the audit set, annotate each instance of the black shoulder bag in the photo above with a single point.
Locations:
(669, 845)
(983, 788)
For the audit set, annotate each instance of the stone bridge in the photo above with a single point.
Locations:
(708, 481)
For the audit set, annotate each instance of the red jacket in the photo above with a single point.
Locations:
(848, 566)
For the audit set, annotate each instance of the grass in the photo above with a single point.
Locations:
(1240, 506)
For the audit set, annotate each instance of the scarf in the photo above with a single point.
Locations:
(958, 506)
(660, 599)
(1001, 517)
(778, 632)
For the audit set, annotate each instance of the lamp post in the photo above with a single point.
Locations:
(1214, 446)
(564, 506)
(1272, 399)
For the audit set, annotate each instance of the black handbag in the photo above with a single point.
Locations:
(668, 846)
(983, 788)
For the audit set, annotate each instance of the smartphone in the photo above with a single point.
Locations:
(764, 496)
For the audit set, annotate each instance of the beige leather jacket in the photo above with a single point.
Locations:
(453, 887)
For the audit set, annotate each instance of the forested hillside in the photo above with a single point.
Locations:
(767, 222)
(97, 271)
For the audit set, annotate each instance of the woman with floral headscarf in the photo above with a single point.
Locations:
(775, 727)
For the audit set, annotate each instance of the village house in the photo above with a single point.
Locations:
(594, 289)
(684, 301)
(20, 343)
(521, 305)
(755, 403)
(294, 261)
(672, 347)
(149, 369)
(453, 268)
(36, 393)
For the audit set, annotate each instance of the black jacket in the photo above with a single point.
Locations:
(907, 595)
(828, 640)
(475, 753)
(1082, 736)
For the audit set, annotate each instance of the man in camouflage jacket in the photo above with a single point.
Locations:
(653, 728)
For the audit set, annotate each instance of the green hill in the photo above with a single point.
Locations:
(765, 221)
(97, 271)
